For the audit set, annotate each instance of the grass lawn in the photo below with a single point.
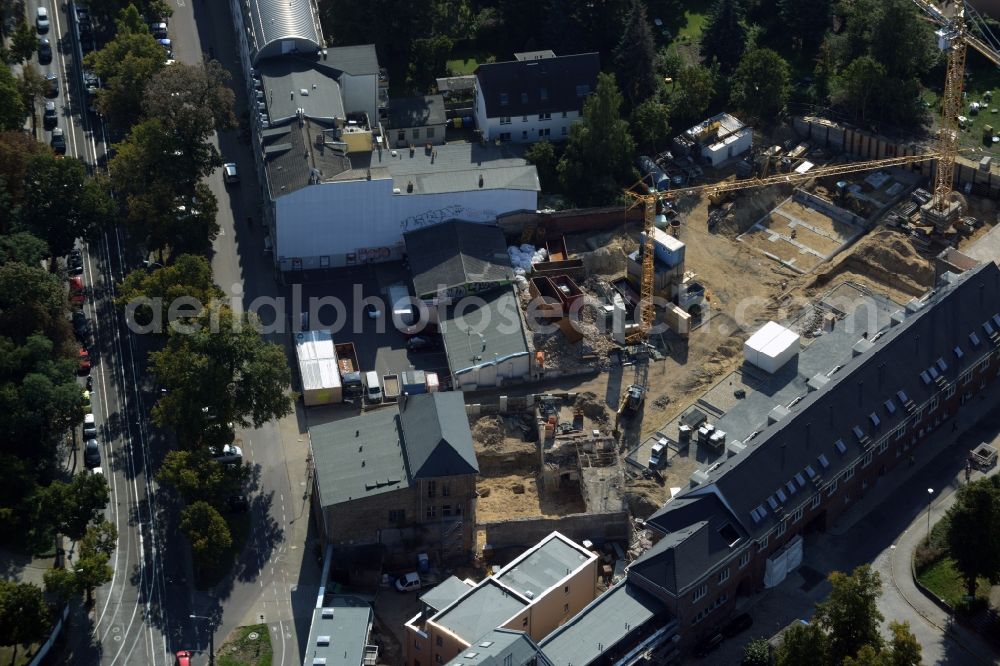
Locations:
(247, 646)
(694, 20)
(983, 79)
(942, 579)
(460, 66)
(24, 654)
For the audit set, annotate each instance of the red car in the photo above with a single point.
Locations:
(84, 361)
(183, 658)
(76, 295)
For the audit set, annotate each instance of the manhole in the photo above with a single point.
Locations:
(253, 635)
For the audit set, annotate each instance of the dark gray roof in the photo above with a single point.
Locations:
(482, 610)
(960, 314)
(437, 437)
(483, 334)
(339, 631)
(290, 152)
(456, 253)
(456, 167)
(408, 112)
(275, 21)
(358, 457)
(533, 86)
(445, 593)
(284, 79)
(502, 647)
(356, 60)
(602, 624)
(675, 561)
(543, 566)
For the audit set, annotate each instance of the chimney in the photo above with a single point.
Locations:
(402, 401)
(480, 180)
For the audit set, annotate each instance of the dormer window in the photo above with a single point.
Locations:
(503, 99)
(543, 94)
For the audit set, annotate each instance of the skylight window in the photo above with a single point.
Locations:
(801, 480)
(773, 503)
(582, 90)
(874, 419)
(756, 514)
(902, 397)
(858, 432)
(987, 328)
(503, 99)
(959, 353)
(524, 98)
(810, 472)
(791, 487)
(942, 366)
(933, 371)
(974, 339)
(996, 320)
(781, 495)
(823, 460)
(925, 377)
(841, 447)
(890, 406)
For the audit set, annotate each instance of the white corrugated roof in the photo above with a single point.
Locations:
(317, 360)
(275, 20)
(772, 338)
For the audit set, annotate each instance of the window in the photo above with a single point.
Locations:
(883, 447)
(401, 136)
(524, 134)
(430, 132)
(439, 642)
(782, 527)
(438, 659)
(543, 94)
(849, 474)
(582, 90)
(505, 136)
(545, 116)
(934, 405)
(432, 488)
(508, 660)
(503, 99)
(446, 511)
(566, 590)
(900, 432)
(505, 120)
(983, 364)
(458, 509)
(762, 544)
(564, 131)
(445, 489)
(545, 132)
(867, 459)
(564, 114)
(397, 515)
(723, 575)
(565, 608)
(524, 98)
(817, 498)
(416, 133)
(700, 593)
(950, 391)
(432, 512)
(524, 119)
(832, 488)
(745, 558)
(797, 516)
(524, 622)
(967, 376)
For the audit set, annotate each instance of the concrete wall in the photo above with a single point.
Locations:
(573, 221)
(597, 527)
(416, 136)
(526, 129)
(827, 207)
(492, 374)
(561, 603)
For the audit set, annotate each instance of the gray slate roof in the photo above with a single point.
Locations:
(445, 593)
(437, 437)
(501, 647)
(544, 566)
(482, 334)
(534, 86)
(345, 634)
(289, 153)
(358, 60)
(283, 80)
(340, 447)
(456, 167)
(273, 21)
(456, 253)
(960, 313)
(406, 112)
(482, 610)
(604, 622)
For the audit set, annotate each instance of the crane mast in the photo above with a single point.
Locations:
(951, 105)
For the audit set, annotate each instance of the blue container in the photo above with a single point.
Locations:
(467, 121)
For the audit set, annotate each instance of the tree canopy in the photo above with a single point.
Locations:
(598, 156)
(635, 55)
(24, 615)
(761, 84)
(650, 125)
(206, 530)
(725, 33)
(11, 106)
(973, 534)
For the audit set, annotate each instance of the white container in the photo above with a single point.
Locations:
(433, 385)
(771, 347)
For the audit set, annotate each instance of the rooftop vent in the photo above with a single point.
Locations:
(897, 318)
(327, 613)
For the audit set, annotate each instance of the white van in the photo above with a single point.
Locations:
(373, 390)
(401, 305)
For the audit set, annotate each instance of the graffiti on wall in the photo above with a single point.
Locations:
(431, 217)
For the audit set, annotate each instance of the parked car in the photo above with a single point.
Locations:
(81, 326)
(77, 295)
(708, 645)
(44, 51)
(75, 261)
(230, 453)
(58, 143)
(84, 366)
(238, 503)
(89, 426)
(50, 117)
(51, 85)
(408, 582)
(738, 625)
(183, 658)
(91, 453)
(423, 343)
(42, 20)
(229, 173)
(87, 404)
(372, 311)
(159, 29)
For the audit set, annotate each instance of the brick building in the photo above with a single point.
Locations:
(739, 527)
(408, 469)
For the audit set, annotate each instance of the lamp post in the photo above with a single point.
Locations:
(930, 498)
(211, 637)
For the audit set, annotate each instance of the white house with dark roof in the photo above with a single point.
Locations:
(538, 96)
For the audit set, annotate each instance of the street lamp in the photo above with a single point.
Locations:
(211, 637)
(930, 498)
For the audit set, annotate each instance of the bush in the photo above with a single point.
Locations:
(929, 552)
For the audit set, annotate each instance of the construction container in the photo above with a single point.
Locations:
(390, 387)
(321, 381)
(771, 347)
(433, 384)
(666, 248)
(414, 382)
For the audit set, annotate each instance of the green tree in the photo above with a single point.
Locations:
(669, 62)
(692, 93)
(189, 276)
(198, 478)
(802, 644)
(543, 155)
(600, 138)
(430, 57)
(225, 366)
(101, 538)
(11, 104)
(206, 530)
(904, 648)
(756, 653)
(859, 87)
(91, 571)
(724, 35)
(867, 656)
(635, 55)
(61, 584)
(63, 204)
(850, 615)
(973, 535)
(650, 125)
(16, 148)
(124, 65)
(31, 300)
(23, 42)
(24, 615)
(149, 157)
(71, 507)
(761, 84)
(805, 22)
(23, 247)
